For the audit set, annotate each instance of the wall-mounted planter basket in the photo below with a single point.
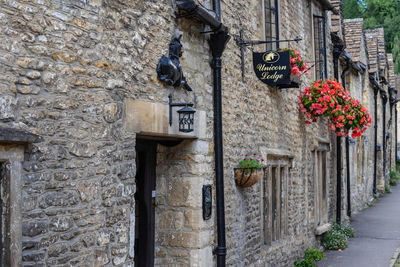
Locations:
(295, 82)
(246, 177)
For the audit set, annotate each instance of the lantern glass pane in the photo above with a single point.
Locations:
(186, 120)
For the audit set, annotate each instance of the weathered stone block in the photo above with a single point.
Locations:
(122, 234)
(86, 191)
(170, 220)
(85, 150)
(64, 56)
(33, 75)
(61, 224)
(77, 246)
(100, 257)
(111, 112)
(103, 238)
(25, 89)
(33, 256)
(126, 171)
(57, 249)
(94, 83)
(59, 198)
(115, 215)
(92, 219)
(29, 203)
(23, 81)
(179, 239)
(201, 257)
(119, 251)
(114, 83)
(72, 234)
(119, 260)
(8, 106)
(187, 192)
(65, 104)
(89, 239)
(34, 228)
(322, 229)
(26, 62)
(194, 219)
(49, 77)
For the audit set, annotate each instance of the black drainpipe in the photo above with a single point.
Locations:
(376, 90)
(393, 101)
(343, 77)
(218, 41)
(389, 128)
(395, 134)
(384, 101)
(337, 51)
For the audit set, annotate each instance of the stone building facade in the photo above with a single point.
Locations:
(361, 150)
(90, 156)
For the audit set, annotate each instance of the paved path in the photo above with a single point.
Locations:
(377, 232)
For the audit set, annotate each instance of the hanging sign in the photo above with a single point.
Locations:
(272, 67)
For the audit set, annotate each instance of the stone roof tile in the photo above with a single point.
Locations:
(353, 34)
(392, 77)
(371, 37)
(381, 49)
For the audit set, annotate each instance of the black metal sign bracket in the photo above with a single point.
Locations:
(242, 43)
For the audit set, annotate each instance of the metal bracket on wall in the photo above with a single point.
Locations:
(242, 43)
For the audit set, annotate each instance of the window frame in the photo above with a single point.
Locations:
(284, 165)
(13, 156)
(269, 20)
(321, 51)
(321, 183)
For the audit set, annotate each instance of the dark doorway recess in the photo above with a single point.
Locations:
(144, 198)
(5, 259)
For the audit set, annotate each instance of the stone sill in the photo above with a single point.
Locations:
(16, 136)
(322, 229)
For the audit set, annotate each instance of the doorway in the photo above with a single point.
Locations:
(146, 151)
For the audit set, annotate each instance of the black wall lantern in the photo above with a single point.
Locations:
(186, 115)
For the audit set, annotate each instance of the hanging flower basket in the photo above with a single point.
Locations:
(246, 177)
(249, 171)
(329, 99)
(297, 67)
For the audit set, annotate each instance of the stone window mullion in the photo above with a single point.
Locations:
(275, 200)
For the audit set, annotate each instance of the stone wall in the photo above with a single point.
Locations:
(361, 149)
(68, 70)
(264, 119)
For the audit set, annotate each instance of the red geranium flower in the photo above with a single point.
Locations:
(297, 64)
(329, 99)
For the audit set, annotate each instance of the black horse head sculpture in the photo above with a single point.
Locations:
(169, 69)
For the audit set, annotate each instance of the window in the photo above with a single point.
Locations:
(271, 23)
(320, 47)
(321, 184)
(275, 199)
